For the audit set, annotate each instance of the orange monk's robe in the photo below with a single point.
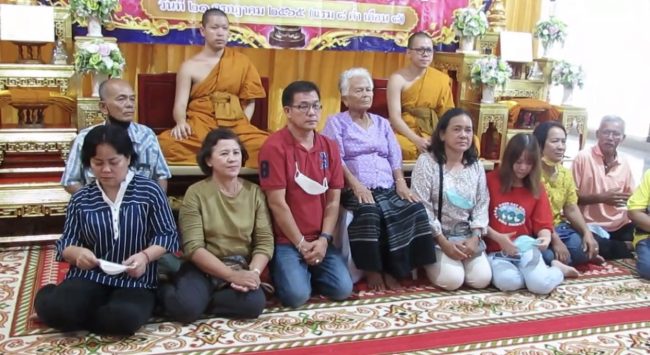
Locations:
(215, 102)
(422, 103)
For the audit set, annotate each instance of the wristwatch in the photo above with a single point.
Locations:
(327, 237)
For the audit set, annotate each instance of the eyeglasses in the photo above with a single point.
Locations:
(423, 50)
(304, 107)
(613, 134)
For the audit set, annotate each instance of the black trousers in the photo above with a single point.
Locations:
(80, 304)
(615, 247)
(192, 293)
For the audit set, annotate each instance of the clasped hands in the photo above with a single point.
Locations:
(244, 280)
(459, 250)
(313, 252)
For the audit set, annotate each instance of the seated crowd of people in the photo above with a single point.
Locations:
(524, 225)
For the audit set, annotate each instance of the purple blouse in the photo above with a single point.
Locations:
(371, 155)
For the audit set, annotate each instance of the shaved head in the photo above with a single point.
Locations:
(417, 35)
(212, 12)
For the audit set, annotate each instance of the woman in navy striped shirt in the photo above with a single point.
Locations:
(123, 218)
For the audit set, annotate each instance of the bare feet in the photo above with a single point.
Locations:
(375, 281)
(392, 283)
(567, 270)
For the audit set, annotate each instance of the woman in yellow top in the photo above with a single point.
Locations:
(572, 242)
(227, 238)
(638, 207)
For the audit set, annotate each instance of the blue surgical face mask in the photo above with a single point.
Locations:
(458, 200)
(525, 243)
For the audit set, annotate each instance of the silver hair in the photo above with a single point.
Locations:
(344, 80)
(612, 119)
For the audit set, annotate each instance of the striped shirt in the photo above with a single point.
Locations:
(151, 162)
(139, 217)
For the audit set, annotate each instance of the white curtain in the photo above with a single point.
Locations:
(608, 38)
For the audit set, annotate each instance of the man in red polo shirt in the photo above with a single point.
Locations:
(301, 174)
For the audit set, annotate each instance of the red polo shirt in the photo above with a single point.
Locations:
(277, 168)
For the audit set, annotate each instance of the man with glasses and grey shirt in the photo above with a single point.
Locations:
(417, 95)
(604, 181)
(117, 102)
(300, 172)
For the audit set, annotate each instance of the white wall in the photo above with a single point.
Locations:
(608, 38)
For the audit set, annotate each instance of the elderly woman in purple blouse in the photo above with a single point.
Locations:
(389, 233)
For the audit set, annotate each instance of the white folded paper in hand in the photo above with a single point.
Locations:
(114, 268)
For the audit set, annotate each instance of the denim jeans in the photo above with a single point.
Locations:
(293, 278)
(573, 242)
(643, 258)
(508, 273)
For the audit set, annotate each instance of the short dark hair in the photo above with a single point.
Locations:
(416, 35)
(113, 135)
(299, 86)
(212, 12)
(437, 146)
(211, 141)
(518, 144)
(541, 132)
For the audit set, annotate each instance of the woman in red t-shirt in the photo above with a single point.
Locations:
(519, 207)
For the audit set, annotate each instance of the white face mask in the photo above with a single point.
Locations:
(308, 185)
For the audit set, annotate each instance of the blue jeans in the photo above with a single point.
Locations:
(573, 242)
(643, 258)
(508, 273)
(293, 278)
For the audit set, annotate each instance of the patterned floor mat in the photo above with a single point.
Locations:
(606, 310)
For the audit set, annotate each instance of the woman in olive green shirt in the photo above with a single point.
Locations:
(227, 238)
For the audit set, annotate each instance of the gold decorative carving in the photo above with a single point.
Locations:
(33, 200)
(36, 75)
(488, 43)
(461, 64)
(43, 140)
(248, 37)
(523, 88)
(486, 119)
(88, 113)
(577, 117)
(63, 23)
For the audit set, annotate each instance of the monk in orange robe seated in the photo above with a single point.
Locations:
(215, 88)
(417, 95)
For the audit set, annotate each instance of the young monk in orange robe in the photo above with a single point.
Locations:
(417, 95)
(215, 88)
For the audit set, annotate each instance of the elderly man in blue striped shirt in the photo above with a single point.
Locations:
(117, 102)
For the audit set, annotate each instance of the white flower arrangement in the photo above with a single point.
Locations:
(101, 9)
(567, 75)
(490, 71)
(99, 57)
(470, 22)
(551, 31)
